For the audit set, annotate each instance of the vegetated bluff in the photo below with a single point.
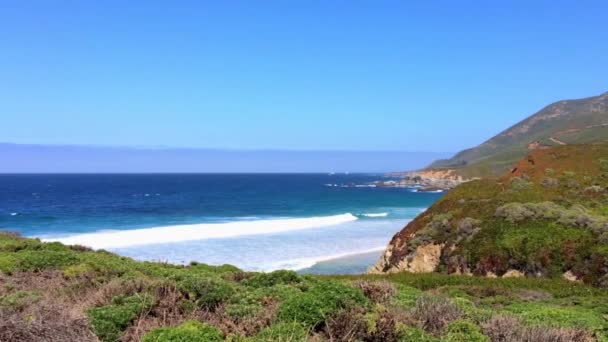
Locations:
(548, 216)
(565, 122)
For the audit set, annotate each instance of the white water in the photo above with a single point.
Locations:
(203, 231)
(375, 214)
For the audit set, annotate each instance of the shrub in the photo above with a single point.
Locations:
(577, 215)
(502, 328)
(110, 321)
(35, 260)
(514, 212)
(508, 329)
(438, 229)
(346, 325)
(465, 331)
(320, 301)
(382, 326)
(518, 183)
(594, 189)
(8, 263)
(243, 304)
(467, 228)
(273, 278)
(550, 182)
(376, 291)
(208, 291)
(187, 331)
(433, 314)
(282, 332)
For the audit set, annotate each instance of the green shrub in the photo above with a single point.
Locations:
(185, 332)
(76, 271)
(32, 260)
(320, 301)
(110, 321)
(273, 278)
(208, 291)
(407, 296)
(283, 332)
(465, 331)
(8, 263)
(243, 304)
(280, 292)
(219, 270)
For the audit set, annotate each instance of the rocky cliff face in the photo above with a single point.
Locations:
(547, 217)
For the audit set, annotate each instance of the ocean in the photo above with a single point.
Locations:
(258, 222)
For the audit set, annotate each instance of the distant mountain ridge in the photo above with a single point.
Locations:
(565, 122)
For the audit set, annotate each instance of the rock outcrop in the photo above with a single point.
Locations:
(423, 259)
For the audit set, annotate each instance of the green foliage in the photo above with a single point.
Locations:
(406, 296)
(464, 331)
(110, 321)
(283, 332)
(8, 263)
(557, 315)
(31, 260)
(320, 301)
(273, 278)
(244, 304)
(186, 332)
(208, 291)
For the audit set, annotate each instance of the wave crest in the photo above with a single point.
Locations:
(180, 233)
(375, 214)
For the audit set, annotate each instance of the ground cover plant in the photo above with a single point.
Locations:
(52, 292)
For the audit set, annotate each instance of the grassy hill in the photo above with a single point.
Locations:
(548, 217)
(565, 122)
(52, 292)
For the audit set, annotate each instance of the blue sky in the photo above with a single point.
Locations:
(320, 75)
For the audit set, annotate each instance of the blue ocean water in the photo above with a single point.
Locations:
(255, 221)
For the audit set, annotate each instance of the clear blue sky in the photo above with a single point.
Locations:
(355, 75)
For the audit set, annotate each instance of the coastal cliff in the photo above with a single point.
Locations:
(546, 217)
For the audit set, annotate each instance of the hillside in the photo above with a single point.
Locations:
(53, 292)
(565, 122)
(547, 217)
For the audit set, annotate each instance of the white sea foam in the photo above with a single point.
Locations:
(180, 233)
(375, 214)
(302, 263)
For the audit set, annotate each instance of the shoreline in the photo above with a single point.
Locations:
(355, 263)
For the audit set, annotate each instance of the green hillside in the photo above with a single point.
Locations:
(565, 122)
(547, 217)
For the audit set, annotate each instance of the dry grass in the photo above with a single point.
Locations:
(376, 291)
(509, 329)
(50, 317)
(433, 314)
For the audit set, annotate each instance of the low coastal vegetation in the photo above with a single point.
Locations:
(52, 292)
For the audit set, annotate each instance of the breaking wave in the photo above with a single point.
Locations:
(180, 233)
